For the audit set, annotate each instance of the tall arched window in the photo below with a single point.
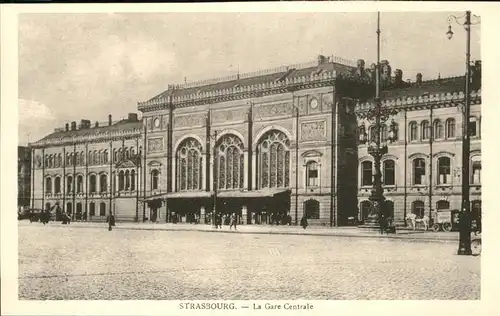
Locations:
(90, 160)
(69, 185)
(105, 157)
(311, 208)
(92, 209)
(419, 171)
(92, 183)
(443, 205)
(389, 172)
(132, 152)
(476, 169)
(103, 182)
(127, 154)
(102, 209)
(48, 185)
(230, 164)
(189, 166)
(79, 184)
(274, 160)
(132, 180)
(444, 170)
(383, 133)
(96, 157)
(154, 179)
(473, 126)
(121, 180)
(57, 185)
(77, 159)
(82, 158)
(366, 173)
(115, 155)
(424, 127)
(438, 129)
(413, 131)
(127, 180)
(418, 208)
(450, 128)
(312, 174)
(59, 158)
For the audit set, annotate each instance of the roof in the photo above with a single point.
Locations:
(279, 74)
(436, 86)
(122, 125)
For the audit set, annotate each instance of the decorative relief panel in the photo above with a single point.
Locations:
(270, 110)
(189, 120)
(155, 144)
(313, 130)
(327, 99)
(231, 115)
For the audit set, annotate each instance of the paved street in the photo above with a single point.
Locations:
(64, 262)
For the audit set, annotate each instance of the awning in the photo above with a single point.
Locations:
(251, 194)
(154, 197)
(189, 195)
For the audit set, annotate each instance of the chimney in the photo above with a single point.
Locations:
(84, 124)
(73, 126)
(419, 79)
(110, 120)
(132, 117)
(96, 124)
(67, 127)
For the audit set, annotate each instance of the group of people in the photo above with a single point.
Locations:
(232, 220)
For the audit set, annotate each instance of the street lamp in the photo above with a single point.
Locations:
(464, 245)
(378, 116)
(215, 180)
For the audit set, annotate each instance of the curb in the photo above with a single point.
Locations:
(320, 234)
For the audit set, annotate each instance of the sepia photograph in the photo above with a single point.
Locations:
(213, 156)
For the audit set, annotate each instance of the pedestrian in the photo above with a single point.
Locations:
(85, 216)
(111, 221)
(382, 223)
(233, 221)
(303, 222)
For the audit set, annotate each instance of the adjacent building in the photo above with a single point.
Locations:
(23, 176)
(272, 145)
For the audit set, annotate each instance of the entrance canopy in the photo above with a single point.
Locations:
(222, 194)
(252, 194)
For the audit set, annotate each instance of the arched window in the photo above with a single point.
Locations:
(95, 157)
(365, 210)
(383, 133)
(132, 180)
(92, 209)
(372, 131)
(366, 173)
(444, 170)
(69, 208)
(59, 158)
(418, 208)
(57, 185)
(69, 185)
(413, 131)
(312, 174)
(92, 183)
(90, 160)
(389, 172)
(476, 170)
(438, 129)
(46, 161)
(121, 180)
(189, 166)
(82, 158)
(115, 155)
(473, 128)
(120, 154)
(442, 205)
(274, 160)
(105, 156)
(132, 152)
(424, 127)
(312, 209)
(48, 185)
(419, 171)
(102, 209)
(127, 153)
(103, 182)
(77, 159)
(154, 179)
(450, 128)
(68, 162)
(127, 180)
(230, 164)
(50, 161)
(79, 184)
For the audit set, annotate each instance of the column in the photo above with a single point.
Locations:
(202, 215)
(174, 174)
(244, 215)
(211, 164)
(204, 172)
(245, 170)
(255, 173)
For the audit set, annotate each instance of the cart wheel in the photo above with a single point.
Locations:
(447, 227)
(435, 227)
(475, 246)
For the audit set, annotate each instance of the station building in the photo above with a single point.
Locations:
(271, 145)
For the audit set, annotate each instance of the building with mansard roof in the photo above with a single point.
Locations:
(272, 145)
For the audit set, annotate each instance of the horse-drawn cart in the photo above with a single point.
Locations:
(444, 220)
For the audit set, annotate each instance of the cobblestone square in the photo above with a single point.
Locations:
(67, 263)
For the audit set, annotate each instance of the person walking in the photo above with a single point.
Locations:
(111, 221)
(233, 221)
(303, 222)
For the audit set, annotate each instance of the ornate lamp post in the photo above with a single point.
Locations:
(378, 116)
(464, 246)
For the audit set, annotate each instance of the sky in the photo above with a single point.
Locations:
(86, 66)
